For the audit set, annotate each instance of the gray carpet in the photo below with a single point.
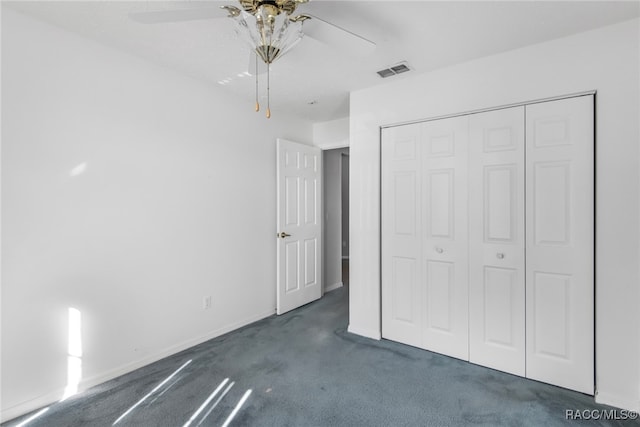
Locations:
(304, 369)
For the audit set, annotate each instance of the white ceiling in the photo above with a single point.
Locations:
(313, 80)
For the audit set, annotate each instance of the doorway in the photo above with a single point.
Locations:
(336, 218)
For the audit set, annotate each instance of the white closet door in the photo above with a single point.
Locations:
(560, 242)
(401, 235)
(496, 240)
(444, 237)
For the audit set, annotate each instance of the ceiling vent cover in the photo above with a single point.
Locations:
(392, 71)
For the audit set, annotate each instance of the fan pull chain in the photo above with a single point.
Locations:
(257, 103)
(268, 75)
(268, 94)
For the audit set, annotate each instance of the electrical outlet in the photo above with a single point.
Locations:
(206, 302)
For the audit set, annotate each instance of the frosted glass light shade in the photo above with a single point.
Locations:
(268, 35)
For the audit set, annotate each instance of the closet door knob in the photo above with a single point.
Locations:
(500, 255)
(439, 250)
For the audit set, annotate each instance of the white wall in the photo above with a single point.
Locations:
(331, 134)
(606, 60)
(162, 213)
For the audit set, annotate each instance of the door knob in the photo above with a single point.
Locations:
(439, 250)
(500, 255)
(282, 235)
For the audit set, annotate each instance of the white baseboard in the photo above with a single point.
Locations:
(622, 402)
(333, 287)
(54, 397)
(368, 333)
(31, 405)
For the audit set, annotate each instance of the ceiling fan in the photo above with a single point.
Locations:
(270, 28)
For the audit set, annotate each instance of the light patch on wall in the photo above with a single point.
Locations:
(78, 170)
(74, 356)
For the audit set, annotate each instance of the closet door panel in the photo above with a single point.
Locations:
(487, 242)
(444, 240)
(401, 235)
(496, 240)
(560, 241)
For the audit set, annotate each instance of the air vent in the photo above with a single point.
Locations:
(392, 71)
(387, 72)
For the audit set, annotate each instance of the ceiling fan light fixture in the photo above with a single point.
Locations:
(266, 27)
(268, 34)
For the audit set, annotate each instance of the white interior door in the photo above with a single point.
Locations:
(424, 235)
(444, 237)
(299, 225)
(496, 240)
(401, 231)
(560, 242)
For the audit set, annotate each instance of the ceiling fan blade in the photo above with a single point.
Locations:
(337, 37)
(176, 15)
